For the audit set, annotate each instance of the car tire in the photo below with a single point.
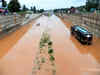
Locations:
(82, 42)
(72, 33)
(76, 36)
(89, 43)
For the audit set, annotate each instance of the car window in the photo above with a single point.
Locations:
(82, 30)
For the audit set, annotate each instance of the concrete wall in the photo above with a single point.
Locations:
(7, 22)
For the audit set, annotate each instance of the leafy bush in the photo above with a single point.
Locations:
(50, 43)
(50, 51)
(52, 58)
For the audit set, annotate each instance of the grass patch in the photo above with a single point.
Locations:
(46, 53)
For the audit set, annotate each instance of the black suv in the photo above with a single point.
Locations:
(82, 34)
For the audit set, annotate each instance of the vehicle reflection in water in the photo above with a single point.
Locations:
(88, 49)
(7, 42)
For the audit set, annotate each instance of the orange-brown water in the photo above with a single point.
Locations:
(72, 58)
(7, 42)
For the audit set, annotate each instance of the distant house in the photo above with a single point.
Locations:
(73, 10)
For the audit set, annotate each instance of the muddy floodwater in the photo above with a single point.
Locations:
(19, 49)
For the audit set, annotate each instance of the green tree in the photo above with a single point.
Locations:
(24, 8)
(31, 8)
(4, 3)
(41, 10)
(90, 5)
(34, 9)
(14, 6)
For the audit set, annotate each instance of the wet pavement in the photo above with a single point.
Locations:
(18, 50)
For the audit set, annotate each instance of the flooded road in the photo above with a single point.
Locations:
(18, 50)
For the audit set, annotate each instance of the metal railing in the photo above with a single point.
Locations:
(7, 22)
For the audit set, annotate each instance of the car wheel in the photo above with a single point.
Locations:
(72, 33)
(76, 36)
(82, 41)
(89, 43)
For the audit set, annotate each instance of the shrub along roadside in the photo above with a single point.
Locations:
(45, 55)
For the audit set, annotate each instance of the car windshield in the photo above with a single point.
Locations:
(82, 29)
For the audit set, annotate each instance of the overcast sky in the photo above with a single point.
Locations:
(51, 4)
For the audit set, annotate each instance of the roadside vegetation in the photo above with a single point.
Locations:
(45, 59)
